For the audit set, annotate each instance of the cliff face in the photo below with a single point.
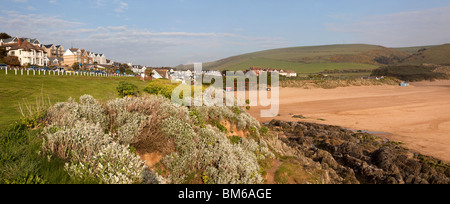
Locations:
(338, 155)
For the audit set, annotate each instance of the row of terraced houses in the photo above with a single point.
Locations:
(32, 52)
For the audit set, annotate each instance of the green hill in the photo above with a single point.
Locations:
(412, 50)
(433, 55)
(311, 59)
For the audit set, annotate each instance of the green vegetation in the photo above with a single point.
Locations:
(21, 161)
(93, 142)
(312, 59)
(432, 55)
(17, 91)
(127, 89)
(335, 83)
(222, 128)
(235, 140)
(410, 73)
(165, 88)
(412, 50)
(438, 165)
(293, 172)
(339, 58)
(161, 87)
(303, 68)
(264, 130)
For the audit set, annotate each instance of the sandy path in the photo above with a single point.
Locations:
(418, 116)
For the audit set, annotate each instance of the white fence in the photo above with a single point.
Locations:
(28, 72)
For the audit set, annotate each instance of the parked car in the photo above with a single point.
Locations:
(58, 69)
(46, 69)
(3, 66)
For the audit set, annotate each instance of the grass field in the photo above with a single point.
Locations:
(20, 90)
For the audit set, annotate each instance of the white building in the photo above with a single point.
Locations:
(9, 41)
(138, 69)
(99, 58)
(26, 52)
(15, 39)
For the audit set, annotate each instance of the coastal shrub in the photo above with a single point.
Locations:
(80, 142)
(226, 163)
(91, 110)
(234, 115)
(67, 113)
(210, 150)
(64, 114)
(161, 87)
(215, 113)
(235, 140)
(126, 89)
(112, 164)
(246, 122)
(129, 125)
(410, 72)
(102, 142)
(222, 128)
(90, 153)
(264, 130)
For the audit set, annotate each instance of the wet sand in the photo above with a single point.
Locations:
(418, 116)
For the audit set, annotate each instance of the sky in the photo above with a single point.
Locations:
(173, 32)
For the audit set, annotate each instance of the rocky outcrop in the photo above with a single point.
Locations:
(349, 157)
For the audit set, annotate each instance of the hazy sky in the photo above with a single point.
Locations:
(172, 32)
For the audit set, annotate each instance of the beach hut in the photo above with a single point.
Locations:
(405, 84)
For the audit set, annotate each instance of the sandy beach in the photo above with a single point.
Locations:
(418, 116)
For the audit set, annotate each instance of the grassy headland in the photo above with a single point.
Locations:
(25, 90)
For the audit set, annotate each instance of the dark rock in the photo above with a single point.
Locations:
(350, 157)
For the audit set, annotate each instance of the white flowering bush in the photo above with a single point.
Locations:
(66, 114)
(113, 164)
(128, 125)
(226, 163)
(210, 150)
(80, 142)
(92, 111)
(241, 118)
(90, 153)
(102, 141)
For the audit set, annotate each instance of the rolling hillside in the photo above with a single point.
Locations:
(314, 59)
(433, 55)
(310, 59)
